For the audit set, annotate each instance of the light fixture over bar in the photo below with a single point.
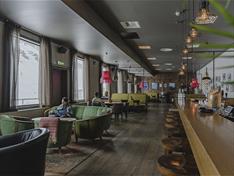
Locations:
(166, 49)
(152, 58)
(144, 47)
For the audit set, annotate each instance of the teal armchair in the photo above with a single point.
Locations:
(13, 124)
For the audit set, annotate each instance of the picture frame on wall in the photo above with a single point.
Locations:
(224, 76)
(229, 76)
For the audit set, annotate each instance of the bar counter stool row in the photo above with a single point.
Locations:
(178, 159)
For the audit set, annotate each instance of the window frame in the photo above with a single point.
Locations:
(26, 39)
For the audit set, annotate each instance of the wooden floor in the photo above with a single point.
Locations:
(133, 151)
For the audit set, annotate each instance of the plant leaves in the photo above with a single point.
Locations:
(216, 46)
(213, 31)
(227, 15)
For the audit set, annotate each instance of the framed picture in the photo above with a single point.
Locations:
(224, 76)
(229, 76)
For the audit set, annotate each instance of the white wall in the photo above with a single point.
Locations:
(220, 72)
(1, 57)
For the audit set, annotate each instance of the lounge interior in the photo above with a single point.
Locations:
(110, 87)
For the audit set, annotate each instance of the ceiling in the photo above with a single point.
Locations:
(159, 26)
(54, 19)
(93, 27)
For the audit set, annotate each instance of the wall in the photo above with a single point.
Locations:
(224, 72)
(94, 77)
(59, 59)
(1, 58)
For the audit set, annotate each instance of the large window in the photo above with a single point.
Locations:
(79, 92)
(28, 74)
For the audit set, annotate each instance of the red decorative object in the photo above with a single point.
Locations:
(106, 77)
(141, 84)
(194, 84)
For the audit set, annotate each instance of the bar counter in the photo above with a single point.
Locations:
(211, 138)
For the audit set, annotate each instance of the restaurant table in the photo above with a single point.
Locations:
(211, 138)
(125, 106)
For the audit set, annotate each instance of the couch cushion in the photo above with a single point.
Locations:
(90, 112)
(141, 97)
(119, 96)
(78, 111)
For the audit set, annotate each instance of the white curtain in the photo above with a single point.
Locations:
(45, 73)
(14, 66)
(86, 79)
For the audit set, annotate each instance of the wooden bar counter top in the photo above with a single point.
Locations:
(211, 138)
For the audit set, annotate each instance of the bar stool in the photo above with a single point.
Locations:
(173, 124)
(175, 132)
(177, 165)
(176, 144)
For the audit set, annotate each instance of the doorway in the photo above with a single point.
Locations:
(59, 85)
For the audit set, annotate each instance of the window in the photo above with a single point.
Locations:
(79, 92)
(28, 74)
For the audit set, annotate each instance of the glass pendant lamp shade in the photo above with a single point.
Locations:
(185, 51)
(204, 15)
(193, 33)
(188, 39)
(206, 78)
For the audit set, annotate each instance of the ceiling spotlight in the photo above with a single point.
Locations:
(168, 64)
(151, 58)
(144, 47)
(204, 15)
(183, 66)
(185, 51)
(177, 13)
(187, 57)
(189, 39)
(193, 33)
(166, 49)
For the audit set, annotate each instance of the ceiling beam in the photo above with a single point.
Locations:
(81, 8)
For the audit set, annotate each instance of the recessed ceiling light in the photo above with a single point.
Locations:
(130, 24)
(187, 57)
(194, 45)
(169, 64)
(144, 47)
(166, 49)
(151, 58)
(156, 65)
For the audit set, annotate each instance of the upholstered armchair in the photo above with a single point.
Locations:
(23, 153)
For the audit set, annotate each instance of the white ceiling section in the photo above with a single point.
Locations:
(54, 19)
(93, 27)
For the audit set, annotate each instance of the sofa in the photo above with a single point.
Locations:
(12, 124)
(90, 121)
(64, 132)
(24, 153)
(135, 100)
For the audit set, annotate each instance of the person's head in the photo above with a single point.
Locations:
(106, 93)
(96, 94)
(65, 101)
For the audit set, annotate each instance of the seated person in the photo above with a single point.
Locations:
(96, 100)
(63, 110)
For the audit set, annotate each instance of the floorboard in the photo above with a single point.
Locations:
(133, 152)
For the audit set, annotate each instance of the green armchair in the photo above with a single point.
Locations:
(13, 124)
(91, 121)
(64, 132)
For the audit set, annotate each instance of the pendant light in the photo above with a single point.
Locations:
(206, 78)
(188, 39)
(204, 15)
(193, 33)
(185, 50)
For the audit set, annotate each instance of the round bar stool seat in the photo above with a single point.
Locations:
(175, 144)
(177, 165)
(175, 132)
(169, 119)
(174, 124)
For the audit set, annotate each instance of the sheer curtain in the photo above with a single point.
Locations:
(10, 69)
(86, 79)
(45, 73)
